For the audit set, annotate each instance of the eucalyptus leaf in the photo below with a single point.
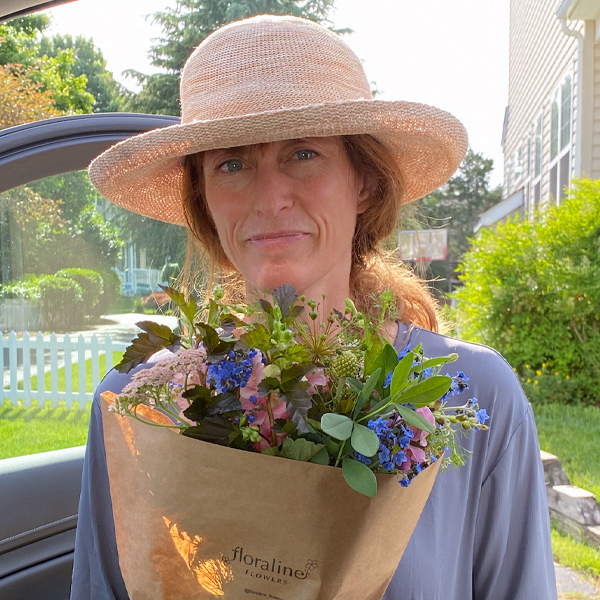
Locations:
(337, 426)
(413, 418)
(364, 440)
(359, 477)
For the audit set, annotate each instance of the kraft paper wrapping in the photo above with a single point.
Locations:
(198, 520)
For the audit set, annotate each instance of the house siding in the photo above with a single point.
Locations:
(595, 162)
(540, 55)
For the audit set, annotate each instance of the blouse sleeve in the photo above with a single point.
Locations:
(515, 562)
(96, 572)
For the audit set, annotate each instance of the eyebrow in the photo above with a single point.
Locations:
(251, 148)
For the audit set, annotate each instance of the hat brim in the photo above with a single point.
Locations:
(144, 173)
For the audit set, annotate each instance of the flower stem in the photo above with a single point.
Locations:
(271, 420)
(339, 456)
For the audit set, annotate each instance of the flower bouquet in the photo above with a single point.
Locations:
(198, 518)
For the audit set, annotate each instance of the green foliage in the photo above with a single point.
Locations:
(62, 303)
(186, 25)
(573, 434)
(111, 291)
(89, 61)
(170, 272)
(19, 45)
(531, 290)
(27, 288)
(576, 555)
(457, 205)
(91, 284)
(31, 430)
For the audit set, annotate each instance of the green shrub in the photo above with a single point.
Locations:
(531, 291)
(62, 303)
(27, 288)
(111, 291)
(91, 286)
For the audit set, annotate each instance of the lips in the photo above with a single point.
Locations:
(277, 239)
(274, 235)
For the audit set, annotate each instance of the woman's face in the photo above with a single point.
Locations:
(285, 212)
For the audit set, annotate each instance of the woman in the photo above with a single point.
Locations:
(285, 170)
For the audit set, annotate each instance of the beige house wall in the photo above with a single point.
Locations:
(540, 55)
(595, 159)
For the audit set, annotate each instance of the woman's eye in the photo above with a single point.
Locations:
(305, 154)
(231, 165)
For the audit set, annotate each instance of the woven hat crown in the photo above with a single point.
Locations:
(269, 63)
(266, 79)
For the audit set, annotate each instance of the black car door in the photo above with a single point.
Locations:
(39, 494)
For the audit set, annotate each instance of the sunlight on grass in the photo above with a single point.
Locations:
(573, 434)
(570, 553)
(31, 430)
(117, 356)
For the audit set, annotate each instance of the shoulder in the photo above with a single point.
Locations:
(492, 380)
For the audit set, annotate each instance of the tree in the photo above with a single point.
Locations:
(108, 93)
(186, 25)
(20, 47)
(22, 100)
(457, 205)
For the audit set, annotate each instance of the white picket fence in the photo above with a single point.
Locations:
(22, 357)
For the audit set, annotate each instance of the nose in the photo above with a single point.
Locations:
(272, 193)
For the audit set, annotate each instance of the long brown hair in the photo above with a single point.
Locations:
(373, 270)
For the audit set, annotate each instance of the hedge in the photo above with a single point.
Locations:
(531, 290)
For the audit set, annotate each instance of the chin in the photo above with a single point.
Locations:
(273, 278)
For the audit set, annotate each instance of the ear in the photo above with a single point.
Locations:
(364, 195)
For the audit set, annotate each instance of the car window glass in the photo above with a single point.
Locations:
(76, 274)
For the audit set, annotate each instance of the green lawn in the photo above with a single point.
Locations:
(31, 430)
(117, 356)
(573, 434)
(40, 429)
(573, 554)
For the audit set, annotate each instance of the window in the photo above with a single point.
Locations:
(536, 183)
(560, 139)
(518, 163)
(538, 148)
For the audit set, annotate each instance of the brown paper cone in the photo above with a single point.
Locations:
(197, 520)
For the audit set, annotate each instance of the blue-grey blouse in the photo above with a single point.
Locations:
(484, 533)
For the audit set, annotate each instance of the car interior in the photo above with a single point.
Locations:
(39, 494)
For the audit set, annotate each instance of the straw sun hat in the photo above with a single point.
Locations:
(267, 79)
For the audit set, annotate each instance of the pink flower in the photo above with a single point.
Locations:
(315, 377)
(414, 451)
(258, 374)
(420, 434)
